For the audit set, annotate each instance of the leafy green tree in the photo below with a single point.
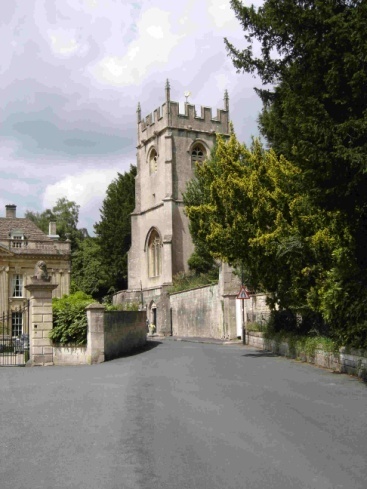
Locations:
(113, 231)
(252, 209)
(201, 261)
(41, 219)
(312, 56)
(66, 215)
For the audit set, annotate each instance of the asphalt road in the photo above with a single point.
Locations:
(183, 416)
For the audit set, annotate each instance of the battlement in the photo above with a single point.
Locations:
(168, 116)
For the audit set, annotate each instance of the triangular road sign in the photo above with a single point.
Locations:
(244, 293)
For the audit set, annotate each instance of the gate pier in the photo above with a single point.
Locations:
(40, 311)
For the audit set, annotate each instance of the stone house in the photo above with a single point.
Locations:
(169, 146)
(22, 245)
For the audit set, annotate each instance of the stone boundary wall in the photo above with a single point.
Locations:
(352, 362)
(70, 355)
(124, 331)
(197, 312)
(110, 335)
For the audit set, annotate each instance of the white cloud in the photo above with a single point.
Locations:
(221, 14)
(17, 187)
(155, 31)
(80, 187)
(87, 189)
(222, 82)
(63, 42)
(91, 3)
(64, 48)
(153, 47)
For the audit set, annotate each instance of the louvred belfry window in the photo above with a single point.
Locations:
(153, 161)
(198, 154)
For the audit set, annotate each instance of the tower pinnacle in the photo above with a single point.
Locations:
(226, 100)
(168, 91)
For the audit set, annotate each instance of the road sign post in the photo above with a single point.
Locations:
(243, 294)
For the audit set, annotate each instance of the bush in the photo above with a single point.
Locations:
(353, 336)
(186, 281)
(256, 326)
(308, 323)
(127, 306)
(70, 319)
(282, 321)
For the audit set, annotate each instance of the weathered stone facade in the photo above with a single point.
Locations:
(22, 245)
(169, 145)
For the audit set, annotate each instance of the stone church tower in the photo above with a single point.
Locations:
(169, 144)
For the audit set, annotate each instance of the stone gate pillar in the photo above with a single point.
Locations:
(40, 313)
(95, 337)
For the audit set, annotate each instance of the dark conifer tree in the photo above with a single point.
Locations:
(113, 231)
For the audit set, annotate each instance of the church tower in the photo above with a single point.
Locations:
(169, 145)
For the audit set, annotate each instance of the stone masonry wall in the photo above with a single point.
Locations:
(70, 355)
(197, 312)
(124, 331)
(352, 362)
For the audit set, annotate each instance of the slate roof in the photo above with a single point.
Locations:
(44, 244)
(30, 230)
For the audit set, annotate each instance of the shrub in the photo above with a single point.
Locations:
(186, 281)
(70, 319)
(282, 321)
(256, 326)
(127, 306)
(307, 323)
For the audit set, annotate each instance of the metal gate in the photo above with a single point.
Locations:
(14, 337)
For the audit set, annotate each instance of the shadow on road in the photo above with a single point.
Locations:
(260, 354)
(149, 345)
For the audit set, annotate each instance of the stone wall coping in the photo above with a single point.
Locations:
(95, 306)
(150, 289)
(40, 285)
(194, 288)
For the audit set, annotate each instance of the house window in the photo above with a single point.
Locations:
(17, 285)
(154, 254)
(153, 161)
(16, 323)
(198, 154)
(17, 241)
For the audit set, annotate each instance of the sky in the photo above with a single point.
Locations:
(73, 72)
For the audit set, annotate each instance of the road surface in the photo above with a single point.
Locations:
(183, 416)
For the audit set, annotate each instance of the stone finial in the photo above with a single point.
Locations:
(226, 100)
(168, 91)
(138, 112)
(40, 272)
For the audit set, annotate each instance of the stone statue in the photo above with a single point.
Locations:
(40, 271)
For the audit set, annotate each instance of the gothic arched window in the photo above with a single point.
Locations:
(154, 254)
(198, 153)
(153, 161)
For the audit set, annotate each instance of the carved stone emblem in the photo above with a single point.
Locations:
(40, 271)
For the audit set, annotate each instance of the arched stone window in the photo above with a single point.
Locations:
(154, 254)
(153, 161)
(198, 153)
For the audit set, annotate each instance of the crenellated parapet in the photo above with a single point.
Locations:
(168, 116)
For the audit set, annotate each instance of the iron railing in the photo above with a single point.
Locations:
(14, 337)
